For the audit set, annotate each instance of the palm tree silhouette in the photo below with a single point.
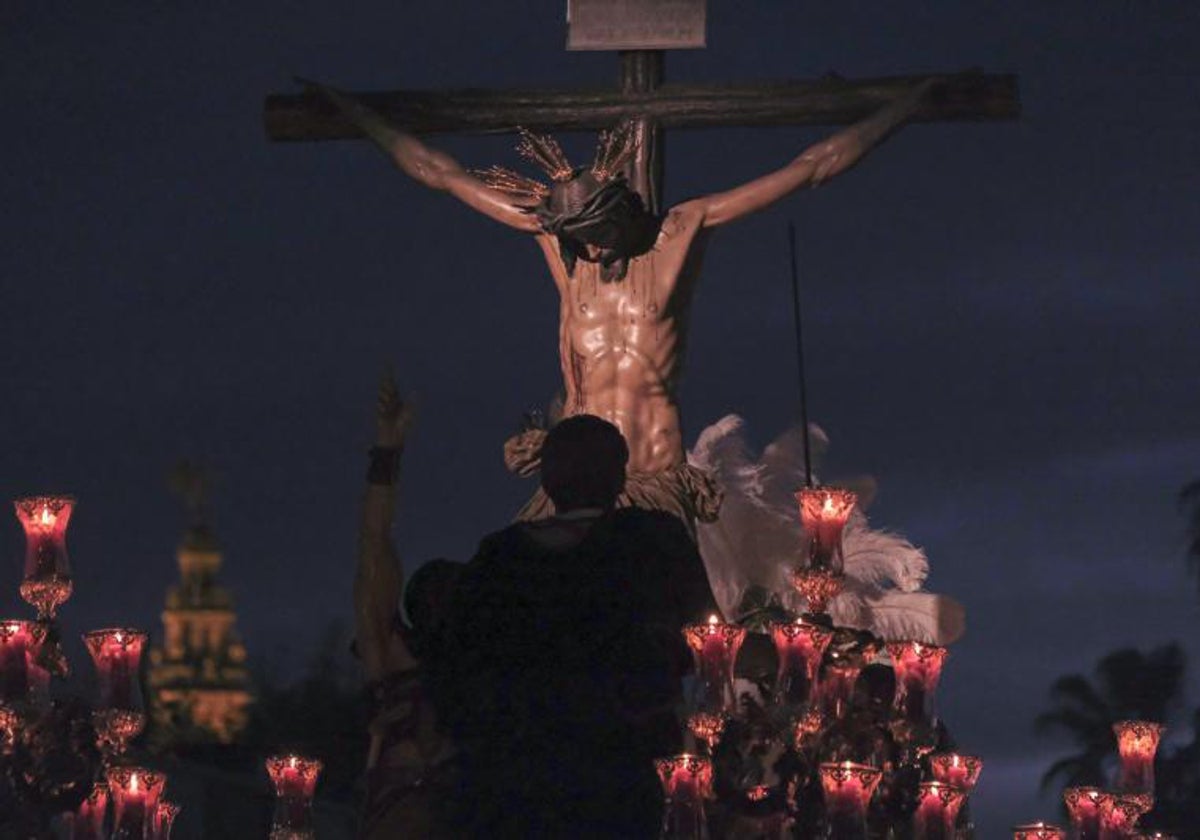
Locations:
(1126, 684)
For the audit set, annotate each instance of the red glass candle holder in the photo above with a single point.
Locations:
(164, 819)
(1137, 741)
(800, 646)
(686, 782)
(707, 727)
(87, 823)
(715, 645)
(18, 643)
(807, 730)
(1083, 807)
(117, 655)
(938, 805)
(817, 587)
(839, 678)
(135, 792)
(847, 789)
(1119, 813)
(1038, 831)
(10, 722)
(47, 581)
(956, 769)
(824, 512)
(295, 780)
(918, 669)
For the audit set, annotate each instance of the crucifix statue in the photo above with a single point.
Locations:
(624, 267)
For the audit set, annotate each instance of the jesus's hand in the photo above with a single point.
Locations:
(393, 415)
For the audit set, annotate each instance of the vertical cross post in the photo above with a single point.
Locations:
(642, 72)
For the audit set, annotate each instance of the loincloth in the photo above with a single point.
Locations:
(685, 491)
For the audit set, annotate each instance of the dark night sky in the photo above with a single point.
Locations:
(1002, 316)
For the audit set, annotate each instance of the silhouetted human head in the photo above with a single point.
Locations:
(426, 599)
(583, 463)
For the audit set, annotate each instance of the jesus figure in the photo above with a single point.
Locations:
(625, 278)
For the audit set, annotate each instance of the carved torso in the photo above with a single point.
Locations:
(621, 343)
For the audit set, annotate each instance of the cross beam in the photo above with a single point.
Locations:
(827, 101)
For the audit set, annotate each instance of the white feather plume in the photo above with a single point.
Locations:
(758, 538)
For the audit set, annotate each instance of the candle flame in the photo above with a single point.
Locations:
(713, 620)
(118, 637)
(133, 783)
(828, 507)
(292, 762)
(46, 519)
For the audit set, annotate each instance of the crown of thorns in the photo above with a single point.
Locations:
(613, 150)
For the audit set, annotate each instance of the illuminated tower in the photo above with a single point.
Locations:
(199, 684)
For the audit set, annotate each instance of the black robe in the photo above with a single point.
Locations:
(558, 673)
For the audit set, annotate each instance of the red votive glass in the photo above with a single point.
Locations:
(295, 780)
(47, 581)
(1038, 831)
(707, 727)
(839, 678)
(918, 668)
(117, 655)
(800, 646)
(1137, 741)
(87, 823)
(715, 645)
(824, 512)
(956, 769)
(847, 789)
(135, 792)
(17, 649)
(1119, 813)
(10, 721)
(938, 805)
(1083, 806)
(686, 782)
(807, 729)
(164, 819)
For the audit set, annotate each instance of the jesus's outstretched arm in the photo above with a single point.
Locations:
(428, 166)
(815, 165)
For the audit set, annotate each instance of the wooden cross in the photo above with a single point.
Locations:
(643, 97)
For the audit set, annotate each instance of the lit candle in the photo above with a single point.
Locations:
(1119, 814)
(686, 782)
(956, 769)
(715, 645)
(47, 581)
(15, 656)
(1038, 831)
(117, 654)
(847, 789)
(824, 512)
(1083, 806)
(937, 811)
(918, 668)
(799, 645)
(135, 792)
(295, 781)
(1137, 741)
